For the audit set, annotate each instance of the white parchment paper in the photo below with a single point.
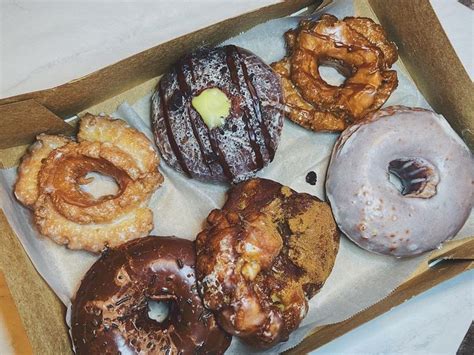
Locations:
(359, 278)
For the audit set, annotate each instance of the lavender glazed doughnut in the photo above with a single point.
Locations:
(435, 169)
(110, 309)
(217, 116)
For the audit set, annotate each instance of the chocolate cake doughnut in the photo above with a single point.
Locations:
(216, 114)
(435, 170)
(262, 257)
(110, 312)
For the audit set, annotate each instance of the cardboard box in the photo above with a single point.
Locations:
(424, 50)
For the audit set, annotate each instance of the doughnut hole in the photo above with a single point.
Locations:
(333, 72)
(395, 181)
(98, 185)
(160, 310)
(413, 177)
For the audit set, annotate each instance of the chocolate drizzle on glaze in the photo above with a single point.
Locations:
(169, 131)
(246, 142)
(220, 156)
(186, 89)
(257, 107)
(231, 63)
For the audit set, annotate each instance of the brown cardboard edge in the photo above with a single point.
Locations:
(77, 95)
(22, 121)
(41, 312)
(446, 86)
(14, 327)
(418, 283)
(311, 342)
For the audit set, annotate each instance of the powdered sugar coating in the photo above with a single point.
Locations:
(249, 137)
(371, 211)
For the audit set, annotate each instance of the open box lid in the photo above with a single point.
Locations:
(423, 46)
(49, 107)
(77, 95)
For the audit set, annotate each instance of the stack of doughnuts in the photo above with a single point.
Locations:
(399, 182)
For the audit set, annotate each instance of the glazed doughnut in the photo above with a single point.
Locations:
(301, 111)
(26, 186)
(66, 165)
(118, 134)
(110, 312)
(435, 169)
(217, 115)
(262, 257)
(51, 174)
(93, 237)
(358, 48)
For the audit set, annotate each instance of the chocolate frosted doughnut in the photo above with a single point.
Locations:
(110, 310)
(435, 169)
(262, 257)
(229, 132)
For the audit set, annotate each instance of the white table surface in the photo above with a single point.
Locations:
(43, 44)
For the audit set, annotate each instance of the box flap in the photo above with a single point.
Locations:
(431, 60)
(77, 95)
(458, 256)
(21, 122)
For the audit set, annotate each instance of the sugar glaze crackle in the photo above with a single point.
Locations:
(262, 257)
(435, 169)
(52, 172)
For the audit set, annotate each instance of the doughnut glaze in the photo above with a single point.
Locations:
(359, 49)
(435, 170)
(249, 136)
(51, 174)
(110, 310)
(262, 257)
(26, 186)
